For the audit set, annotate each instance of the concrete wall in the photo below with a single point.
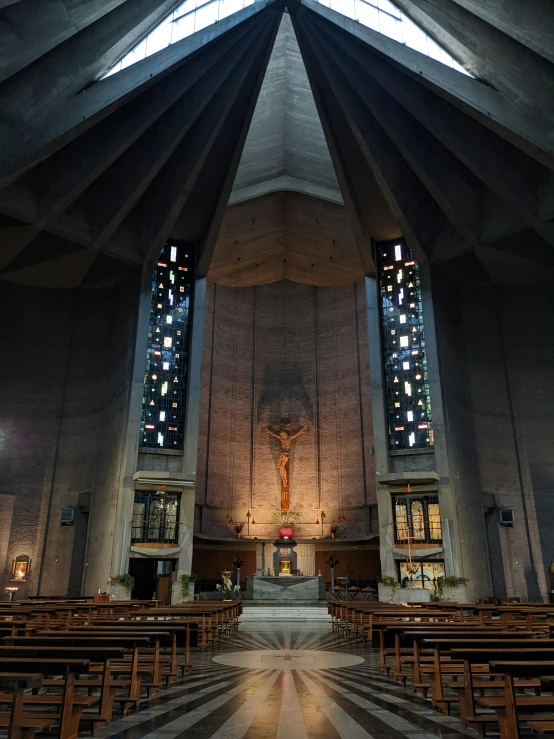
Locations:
(275, 351)
(64, 400)
(509, 347)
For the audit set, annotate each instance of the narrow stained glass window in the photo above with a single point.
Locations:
(167, 357)
(407, 385)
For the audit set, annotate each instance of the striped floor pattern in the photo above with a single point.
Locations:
(299, 702)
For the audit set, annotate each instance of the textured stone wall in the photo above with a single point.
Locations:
(294, 351)
(63, 399)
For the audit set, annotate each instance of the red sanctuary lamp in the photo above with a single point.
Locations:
(285, 533)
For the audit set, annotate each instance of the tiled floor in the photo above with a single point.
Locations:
(286, 681)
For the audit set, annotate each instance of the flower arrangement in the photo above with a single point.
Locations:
(332, 562)
(227, 591)
(238, 527)
(412, 568)
(238, 562)
(286, 518)
(334, 528)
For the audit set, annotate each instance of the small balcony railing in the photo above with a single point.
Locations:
(428, 532)
(155, 531)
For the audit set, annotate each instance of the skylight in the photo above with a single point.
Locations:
(383, 16)
(191, 16)
(188, 17)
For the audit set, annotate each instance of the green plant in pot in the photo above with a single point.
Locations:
(186, 581)
(387, 581)
(126, 580)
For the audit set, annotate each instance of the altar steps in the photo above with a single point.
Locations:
(285, 612)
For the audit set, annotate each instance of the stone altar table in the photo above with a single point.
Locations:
(285, 589)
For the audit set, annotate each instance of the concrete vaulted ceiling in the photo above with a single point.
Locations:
(371, 135)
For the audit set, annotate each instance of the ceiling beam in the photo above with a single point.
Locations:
(530, 22)
(479, 101)
(419, 217)
(285, 183)
(523, 77)
(163, 201)
(32, 28)
(116, 192)
(28, 140)
(512, 175)
(71, 170)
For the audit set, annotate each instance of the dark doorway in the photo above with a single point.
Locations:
(152, 578)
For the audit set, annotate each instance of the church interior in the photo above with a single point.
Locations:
(275, 431)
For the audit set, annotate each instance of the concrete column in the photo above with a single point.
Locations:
(195, 378)
(461, 504)
(124, 512)
(380, 426)
(446, 496)
(186, 519)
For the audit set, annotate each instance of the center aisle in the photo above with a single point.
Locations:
(292, 680)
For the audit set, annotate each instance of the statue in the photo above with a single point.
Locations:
(285, 436)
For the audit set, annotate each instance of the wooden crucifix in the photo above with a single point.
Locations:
(285, 435)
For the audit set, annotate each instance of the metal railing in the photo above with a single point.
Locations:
(155, 531)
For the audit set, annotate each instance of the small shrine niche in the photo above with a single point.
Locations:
(21, 567)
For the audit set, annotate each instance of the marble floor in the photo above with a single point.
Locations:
(295, 681)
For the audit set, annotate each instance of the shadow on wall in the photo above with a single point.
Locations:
(283, 394)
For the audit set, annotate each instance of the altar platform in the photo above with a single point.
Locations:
(285, 589)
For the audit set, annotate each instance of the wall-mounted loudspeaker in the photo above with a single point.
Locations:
(506, 517)
(67, 517)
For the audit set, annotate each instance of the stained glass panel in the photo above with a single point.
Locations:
(165, 380)
(405, 364)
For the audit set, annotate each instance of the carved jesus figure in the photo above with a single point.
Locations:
(285, 437)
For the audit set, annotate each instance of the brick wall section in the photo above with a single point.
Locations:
(412, 463)
(160, 462)
(71, 356)
(263, 369)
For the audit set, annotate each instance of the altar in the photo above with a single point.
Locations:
(285, 589)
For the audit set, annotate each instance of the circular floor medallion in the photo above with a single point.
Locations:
(292, 659)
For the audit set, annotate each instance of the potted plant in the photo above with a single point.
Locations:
(238, 527)
(187, 586)
(388, 587)
(334, 528)
(452, 588)
(238, 563)
(332, 563)
(121, 586)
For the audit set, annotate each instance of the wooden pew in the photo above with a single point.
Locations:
(511, 706)
(68, 715)
(481, 656)
(70, 704)
(19, 724)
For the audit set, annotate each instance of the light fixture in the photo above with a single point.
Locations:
(227, 517)
(231, 521)
(248, 515)
(317, 522)
(253, 522)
